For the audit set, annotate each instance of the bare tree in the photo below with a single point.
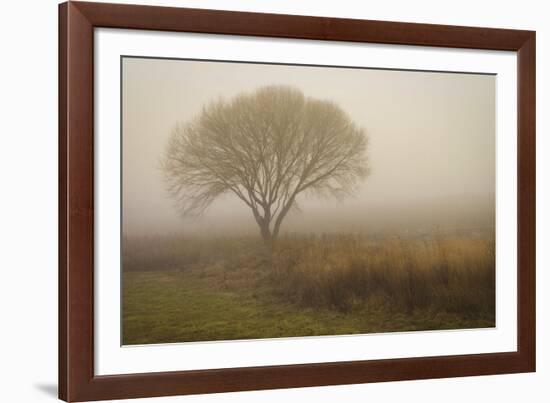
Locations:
(266, 148)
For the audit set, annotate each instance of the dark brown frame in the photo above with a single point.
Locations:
(77, 21)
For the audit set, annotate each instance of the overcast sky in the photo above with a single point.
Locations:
(432, 141)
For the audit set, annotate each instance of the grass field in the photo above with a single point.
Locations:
(178, 289)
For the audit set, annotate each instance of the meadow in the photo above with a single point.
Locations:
(181, 289)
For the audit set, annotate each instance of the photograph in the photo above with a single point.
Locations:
(275, 201)
(264, 200)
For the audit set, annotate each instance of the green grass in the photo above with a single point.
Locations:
(219, 304)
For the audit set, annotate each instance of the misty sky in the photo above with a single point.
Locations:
(431, 150)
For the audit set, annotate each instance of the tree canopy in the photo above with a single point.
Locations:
(265, 147)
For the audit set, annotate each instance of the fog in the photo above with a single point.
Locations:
(431, 146)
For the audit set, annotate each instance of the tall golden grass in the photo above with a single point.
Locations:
(341, 271)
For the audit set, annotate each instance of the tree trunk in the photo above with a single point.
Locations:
(268, 239)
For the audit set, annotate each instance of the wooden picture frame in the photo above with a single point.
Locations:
(77, 381)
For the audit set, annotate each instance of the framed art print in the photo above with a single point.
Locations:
(254, 201)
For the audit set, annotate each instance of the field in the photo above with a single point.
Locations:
(180, 289)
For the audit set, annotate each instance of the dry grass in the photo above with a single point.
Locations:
(336, 271)
(343, 271)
